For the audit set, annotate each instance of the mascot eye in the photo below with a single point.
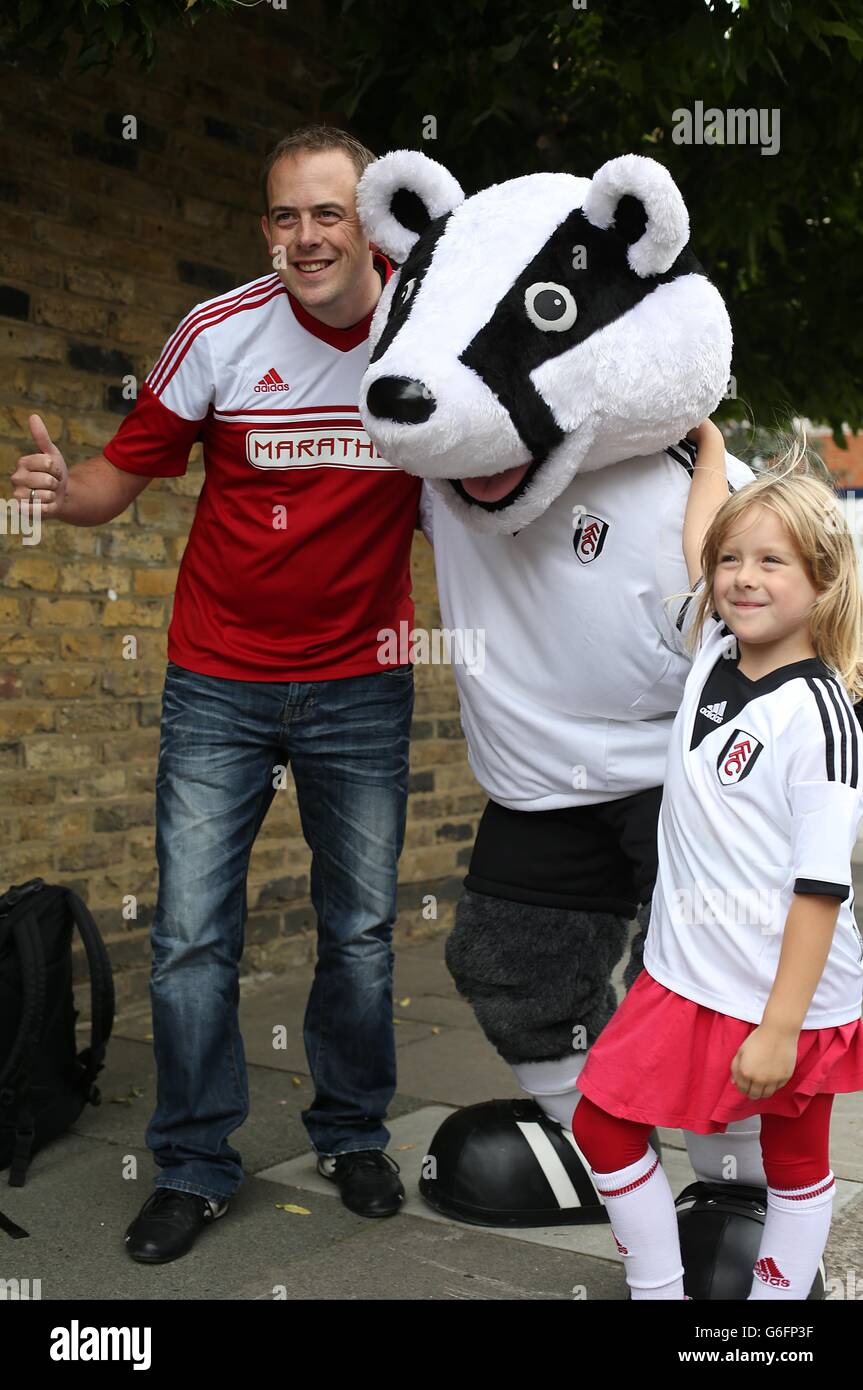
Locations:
(406, 291)
(550, 307)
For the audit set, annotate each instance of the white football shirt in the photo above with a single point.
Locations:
(581, 672)
(762, 800)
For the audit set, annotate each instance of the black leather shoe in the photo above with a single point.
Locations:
(168, 1223)
(367, 1181)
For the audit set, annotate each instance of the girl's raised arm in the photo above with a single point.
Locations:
(708, 491)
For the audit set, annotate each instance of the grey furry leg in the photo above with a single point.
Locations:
(636, 957)
(533, 974)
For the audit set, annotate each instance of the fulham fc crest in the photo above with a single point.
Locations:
(589, 537)
(737, 757)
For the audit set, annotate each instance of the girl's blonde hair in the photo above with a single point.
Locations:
(806, 503)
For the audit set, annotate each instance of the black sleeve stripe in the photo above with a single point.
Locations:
(683, 459)
(828, 729)
(842, 698)
(843, 730)
(830, 890)
(692, 450)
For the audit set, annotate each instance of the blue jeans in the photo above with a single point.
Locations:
(222, 744)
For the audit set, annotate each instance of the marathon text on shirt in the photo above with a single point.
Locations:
(314, 446)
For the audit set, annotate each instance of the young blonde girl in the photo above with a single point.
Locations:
(750, 999)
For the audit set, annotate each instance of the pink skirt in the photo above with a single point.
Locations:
(665, 1060)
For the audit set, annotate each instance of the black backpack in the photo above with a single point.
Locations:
(44, 1082)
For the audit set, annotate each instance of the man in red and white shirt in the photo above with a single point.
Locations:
(299, 554)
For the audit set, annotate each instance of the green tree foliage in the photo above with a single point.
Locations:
(101, 27)
(515, 86)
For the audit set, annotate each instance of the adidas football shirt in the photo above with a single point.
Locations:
(762, 800)
(299, 552)
(580, 671)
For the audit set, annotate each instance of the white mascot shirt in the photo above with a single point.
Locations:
(577, 669)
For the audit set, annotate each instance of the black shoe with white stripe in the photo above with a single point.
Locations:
(505, 1163)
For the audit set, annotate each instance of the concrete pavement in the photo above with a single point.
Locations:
(287, 1233)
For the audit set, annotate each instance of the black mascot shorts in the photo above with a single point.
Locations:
(590, 858)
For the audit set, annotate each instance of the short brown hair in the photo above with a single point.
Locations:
(315, 137)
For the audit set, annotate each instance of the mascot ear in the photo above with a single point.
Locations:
(399, 195)
(663, 223)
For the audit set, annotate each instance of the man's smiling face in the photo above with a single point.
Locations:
(313, 216)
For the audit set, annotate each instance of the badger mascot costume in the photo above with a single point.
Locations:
(539, 357)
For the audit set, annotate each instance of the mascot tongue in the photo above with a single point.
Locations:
(492, 488)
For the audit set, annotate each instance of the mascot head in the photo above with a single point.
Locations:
(542, 328)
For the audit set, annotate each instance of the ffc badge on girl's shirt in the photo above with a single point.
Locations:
(738, 757)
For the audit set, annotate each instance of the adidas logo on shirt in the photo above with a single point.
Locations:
(714, 712)
(272, 382)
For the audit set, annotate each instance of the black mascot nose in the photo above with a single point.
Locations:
(400, 399)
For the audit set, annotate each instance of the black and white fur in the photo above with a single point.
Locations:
(550, 323)
(553, 326)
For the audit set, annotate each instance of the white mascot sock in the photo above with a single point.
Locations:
(552, 1084)
(795, 1234)
(644, 1225)
(734, 1156)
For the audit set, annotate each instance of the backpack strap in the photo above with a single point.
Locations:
(25, 930)
(15, 1076)
(101, 994)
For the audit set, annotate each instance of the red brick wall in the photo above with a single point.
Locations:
(846, 465)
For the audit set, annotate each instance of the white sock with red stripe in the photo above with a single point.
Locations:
(640, 1208)
(795, 1234)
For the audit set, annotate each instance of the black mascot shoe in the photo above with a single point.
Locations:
(720, 1226)
(168, 1223)
(367, 1180)
(505, 1163)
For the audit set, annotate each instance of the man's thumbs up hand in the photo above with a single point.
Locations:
(43, 475)
(41, 437)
